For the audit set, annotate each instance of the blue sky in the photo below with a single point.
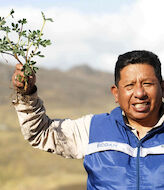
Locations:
(93, 32)
(99, 6)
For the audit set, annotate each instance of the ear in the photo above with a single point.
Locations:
(114, 91)
(162, 86)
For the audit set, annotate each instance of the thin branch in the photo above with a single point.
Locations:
(16, 57)
(9, 41)
(4, 19)
(20, 35)
(7, 53)
(36, 47)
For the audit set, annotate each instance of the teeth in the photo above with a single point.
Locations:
(140, 105)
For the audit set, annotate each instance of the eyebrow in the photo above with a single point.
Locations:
(146, 79)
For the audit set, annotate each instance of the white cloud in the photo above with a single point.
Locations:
(97, 39)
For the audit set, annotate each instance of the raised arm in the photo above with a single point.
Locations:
(65, 137)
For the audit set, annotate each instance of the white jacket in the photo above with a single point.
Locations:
(65, 137)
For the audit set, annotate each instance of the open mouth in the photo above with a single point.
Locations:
(141, 106)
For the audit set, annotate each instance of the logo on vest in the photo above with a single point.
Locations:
(107, 144)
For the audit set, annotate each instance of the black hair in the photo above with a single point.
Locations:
(137, 57)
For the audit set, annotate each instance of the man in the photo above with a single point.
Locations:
(123, 150)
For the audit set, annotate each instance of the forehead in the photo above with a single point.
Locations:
(137, 71)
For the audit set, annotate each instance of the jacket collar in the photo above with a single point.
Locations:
(120, 116)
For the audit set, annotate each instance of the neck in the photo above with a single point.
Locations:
(143, 127)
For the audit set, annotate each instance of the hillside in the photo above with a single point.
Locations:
(80, 86)
(72, 93)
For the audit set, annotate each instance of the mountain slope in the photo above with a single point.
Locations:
(79, 86)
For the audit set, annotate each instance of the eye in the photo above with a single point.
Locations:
(147, 84)
(129, 86)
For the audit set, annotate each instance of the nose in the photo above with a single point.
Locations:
(139, 92)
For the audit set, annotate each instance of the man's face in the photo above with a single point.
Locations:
(139, 93)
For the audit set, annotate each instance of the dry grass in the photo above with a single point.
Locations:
(71, 95)
(24, 168)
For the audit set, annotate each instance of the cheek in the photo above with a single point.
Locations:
(124, 97)
(155, 96)
(155, 93)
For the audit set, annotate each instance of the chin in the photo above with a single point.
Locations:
(141, 116)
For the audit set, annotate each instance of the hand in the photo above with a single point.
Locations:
(19, 83)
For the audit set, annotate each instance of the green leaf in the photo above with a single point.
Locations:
(48, 42)
(41, 55)
(12, 12)
(50, 19)
(19, 78)
(24, 21)
(25, 44)
(43, 15)
(35, 69)
(32, 62)
(7, 29)
(38, 52)
(46, 19)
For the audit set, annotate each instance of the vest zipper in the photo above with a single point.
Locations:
(138, 165)
(138, 156)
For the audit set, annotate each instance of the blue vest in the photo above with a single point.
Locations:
(118, 160)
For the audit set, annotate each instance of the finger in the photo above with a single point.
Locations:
(17, 76)
(19, 66)
(19, 84)
(16, 83)
(32, 79)
(18, 72)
